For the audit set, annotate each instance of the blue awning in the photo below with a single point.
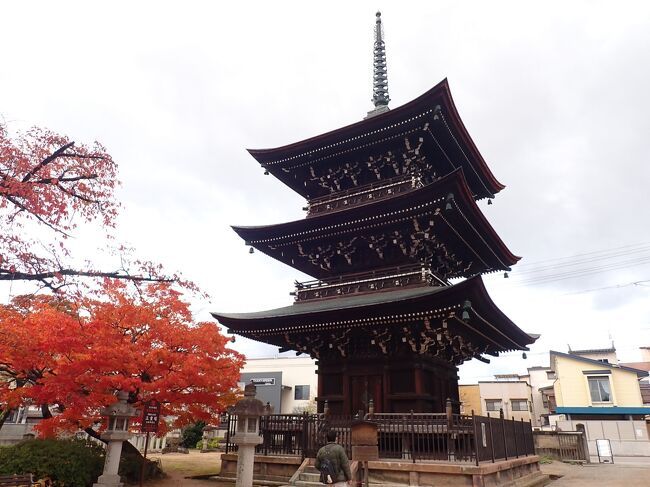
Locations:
(642, 410)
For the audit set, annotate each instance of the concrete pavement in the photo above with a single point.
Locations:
(594, 474)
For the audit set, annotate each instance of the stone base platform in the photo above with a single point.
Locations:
(276, 469)
(291, 471)
(518, 472)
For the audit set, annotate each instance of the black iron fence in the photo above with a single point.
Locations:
(498, 438)
(409, 436)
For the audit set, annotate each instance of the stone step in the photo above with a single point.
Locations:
(304, 483)
(310, 476)
(537, 479)
(312, 483)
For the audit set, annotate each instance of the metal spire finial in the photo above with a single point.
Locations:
(380, 79)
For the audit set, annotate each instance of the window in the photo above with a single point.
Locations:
(599, 389)
(519, 405)
(545, 401)
(550, 374)
(493, 404)
(14, 416)
(301, 393)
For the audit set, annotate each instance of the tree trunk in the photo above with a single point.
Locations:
(4, 414)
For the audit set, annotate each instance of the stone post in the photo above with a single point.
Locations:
(118, 415)
(247, 436)
(206, 440)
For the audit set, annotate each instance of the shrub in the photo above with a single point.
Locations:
(192, 434)
(73, 463)
(213, 444)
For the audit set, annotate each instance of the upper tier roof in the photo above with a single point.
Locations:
(431, 119)
(403, 230)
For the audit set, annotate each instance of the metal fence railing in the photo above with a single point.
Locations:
(405, 436)
(562, 445)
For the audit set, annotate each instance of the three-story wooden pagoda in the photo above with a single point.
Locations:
(396, 244)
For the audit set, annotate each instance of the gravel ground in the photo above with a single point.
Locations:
(177, 466)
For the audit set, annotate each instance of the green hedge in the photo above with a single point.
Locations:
(73, 463)
(213, 443)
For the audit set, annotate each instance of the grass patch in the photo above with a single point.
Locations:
(194, 463)
(545, 459)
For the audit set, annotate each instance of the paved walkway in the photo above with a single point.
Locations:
(594, 474)
(178, 466)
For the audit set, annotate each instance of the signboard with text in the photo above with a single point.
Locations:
(604, 450)
(150, 417)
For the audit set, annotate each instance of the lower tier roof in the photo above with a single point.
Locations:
(427, 319)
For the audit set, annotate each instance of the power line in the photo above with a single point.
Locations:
(548, 278)
(607, 256)
(615, 286)
(526, 264)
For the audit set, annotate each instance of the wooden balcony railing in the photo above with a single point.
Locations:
(368, 193)
(396, 277)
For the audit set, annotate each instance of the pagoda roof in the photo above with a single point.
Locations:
(488, 322)
(436, 105)
(467, 232)
(324, 305)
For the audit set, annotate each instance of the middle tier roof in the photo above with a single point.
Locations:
(438, 225)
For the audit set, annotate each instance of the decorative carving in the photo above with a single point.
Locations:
(311, 343)
(375, 165)
(381, 339)
(340, 341)
(410, 339)
(346, 249)
(416, 241)
(320, 256)
(377, 243)
(329, 180)
(408, 160)
(419, 337)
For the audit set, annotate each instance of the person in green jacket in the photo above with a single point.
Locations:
(336, 455)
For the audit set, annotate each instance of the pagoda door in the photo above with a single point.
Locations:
(363, 388)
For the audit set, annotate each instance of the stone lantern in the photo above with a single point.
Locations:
(118, 415)
(247, 436)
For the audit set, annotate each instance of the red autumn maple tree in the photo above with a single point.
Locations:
(71, 358)
(48, 186)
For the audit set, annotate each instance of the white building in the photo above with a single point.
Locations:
(511, 396)
(289, 384)
(540, 378)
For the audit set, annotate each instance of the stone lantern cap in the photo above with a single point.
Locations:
(249, 406)
(120, 408)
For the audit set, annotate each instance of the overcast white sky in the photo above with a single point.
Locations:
(555, 95)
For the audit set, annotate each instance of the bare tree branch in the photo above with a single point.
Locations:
(49, 159)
